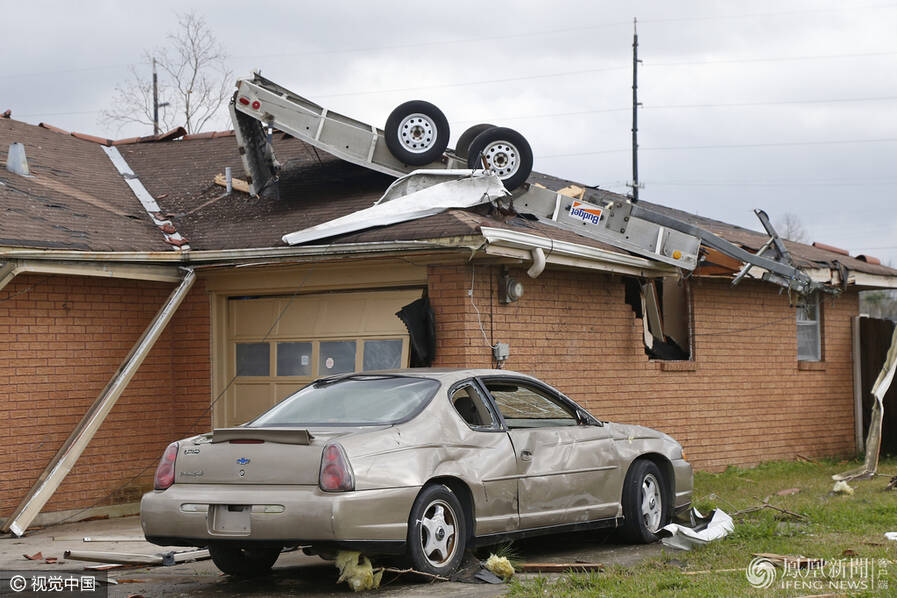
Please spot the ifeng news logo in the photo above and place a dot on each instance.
(798, 573)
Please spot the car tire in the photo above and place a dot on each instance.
(467, 137)
(646, 503)
(244, 560)
(506, 152)
(417, 133)
(437, 531)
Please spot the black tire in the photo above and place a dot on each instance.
(244, 560)
(437, 511)
(642, 517)
(506, 152)
(417, 133)
(467, 137)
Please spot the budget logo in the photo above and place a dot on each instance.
(585, 212)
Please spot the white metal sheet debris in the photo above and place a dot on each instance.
(419, 194)
(873, 438)
(713, 527)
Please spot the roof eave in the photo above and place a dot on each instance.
(519, 245)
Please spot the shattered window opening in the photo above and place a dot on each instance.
(809, 330)
(664, 306)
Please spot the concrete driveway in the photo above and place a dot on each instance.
(294, 574)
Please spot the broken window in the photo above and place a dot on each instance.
(471, 406)
(524, 406)
(809, 330)
(664, 307)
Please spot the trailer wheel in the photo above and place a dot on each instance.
(506, 152)
(417, 132)
(467, 137)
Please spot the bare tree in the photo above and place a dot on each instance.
(194, 81)
(790, 227)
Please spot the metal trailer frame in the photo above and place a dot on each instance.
(259, 105)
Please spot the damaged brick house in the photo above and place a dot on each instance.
(97, 237)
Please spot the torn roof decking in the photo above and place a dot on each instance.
(315, 187)
(74, 200)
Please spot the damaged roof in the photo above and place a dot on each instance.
(74, 198)
(315, 187)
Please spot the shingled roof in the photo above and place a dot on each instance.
(315, 187)
(75, 198)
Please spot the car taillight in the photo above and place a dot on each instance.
(336, 473)
(256, 105)
(165, 472)
(243, 100)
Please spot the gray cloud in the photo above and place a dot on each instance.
(62, 61)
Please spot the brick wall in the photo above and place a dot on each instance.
(61, 340)
(742, 401)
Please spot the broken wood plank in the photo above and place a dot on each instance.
(559, 567)
(574, 191)
(236, 184)
(68, 454)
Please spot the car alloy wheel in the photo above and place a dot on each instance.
(437, 531)
(652, 503)
(438, 539)
(646, 500)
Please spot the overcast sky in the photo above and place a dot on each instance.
(785, 105)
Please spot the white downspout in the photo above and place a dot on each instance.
(538, 263)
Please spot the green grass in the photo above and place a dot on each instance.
(835, 527)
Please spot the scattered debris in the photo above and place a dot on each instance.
(355, 569)
(487, 576)
(788, 492)
(34, 557)
(764, 504)
(501, 566)
(873, 438)
(560, 567)
(113, 539)
(842, 487)
(716, 525)
(848, 552)
(892, 484)
(236, 184)
(119, 558)
(806, 459)
(416, 195)
(51, 560)
(891, 535)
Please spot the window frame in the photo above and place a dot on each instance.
(816, 324)
(580, 414)
(499, 423)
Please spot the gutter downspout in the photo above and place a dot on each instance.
(74, 446)
(538, 263)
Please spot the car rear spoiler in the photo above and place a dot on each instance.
(281, 435)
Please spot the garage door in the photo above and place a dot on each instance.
(275, 345)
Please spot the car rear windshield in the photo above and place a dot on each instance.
(358, 400)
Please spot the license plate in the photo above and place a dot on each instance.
(230, 520)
